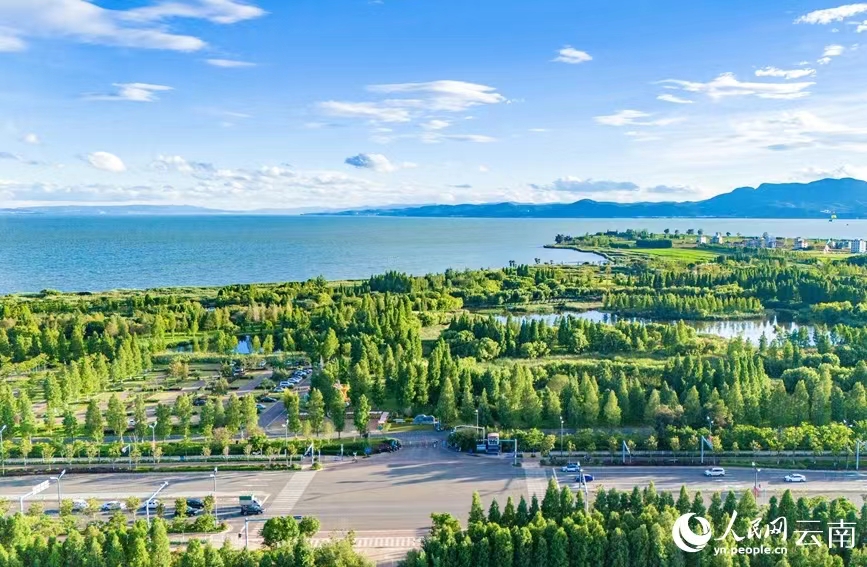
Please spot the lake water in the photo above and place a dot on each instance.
(751, 330)
(97, 253)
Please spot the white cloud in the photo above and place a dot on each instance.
(842, 171)
(572, 56)
(215, 11)
(484, 169)
(229, 63)
(374, 162)
(106, 162)
(862, 26)
(11, 43)
(830, 15)
(179, 164)
(447, 96)
(788, 131)
(675, 99)
(435, 137)
(84, 22)
(633, 118)
(369, 110)
(537, 130)
(571, 184)
(829, 52)
(425, 100)
(436, 124)
(31, 138)
(570, 188)
(134, 92)
(727, 85)
(785, 74)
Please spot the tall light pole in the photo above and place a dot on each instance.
(561, 436)
(149, 500)
(3, 449)
(153, 427)
(477, 424)
(710, 428)
(756, 482)
(59, 493)
(214, 476)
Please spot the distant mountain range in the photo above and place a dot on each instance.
(847, 198)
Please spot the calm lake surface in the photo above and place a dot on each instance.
(97, 253)
(750, 330)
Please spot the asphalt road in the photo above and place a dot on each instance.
(387, 499)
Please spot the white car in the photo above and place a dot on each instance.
(795, 477)
(715, 471)
(79, 505)
(113, 505)
(571, 467)
(152, 505)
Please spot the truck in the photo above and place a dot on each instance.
(250, 505)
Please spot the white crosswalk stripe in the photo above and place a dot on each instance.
(379, 542)
(287, 498)
(537, 481)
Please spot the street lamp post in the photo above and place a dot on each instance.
(3, 449)
(214, 476)
(149, 500)
(153, 427)
(477, 424)
(59, 493)
(756, 482)
(561, 436)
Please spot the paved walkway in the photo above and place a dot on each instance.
(536, 478)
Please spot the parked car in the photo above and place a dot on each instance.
(197, 503)
(260, 408)
(113, 505)
(152, 505)
(200, 401)
(795, 477)
(267, 399)
(715, 471)
(587, 478)
(285, 383)
(279, 389)
(570, 467)
(79, 505)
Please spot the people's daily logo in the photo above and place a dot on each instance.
(688, 540)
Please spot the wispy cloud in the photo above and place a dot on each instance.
(134, 92)
(830, 15)
(829, 52)
(376, 162)
(145, 27)
(422, 101)
(784, 73)
(727, 85)
(229, 63)
(31, 138)
(634, 118)
(572, 56)
(666, 97)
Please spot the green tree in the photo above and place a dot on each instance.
(338, 413)
(183, 410)
(447, 405)
(94, 427)
(316, 410)
(611, 411)
(477, 512)
(293, 411)
(361, 416)
(115, 416)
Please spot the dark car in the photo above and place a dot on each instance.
(200, 401)
(192, 512)
(196, 503)
(267, 399)
(587, 478)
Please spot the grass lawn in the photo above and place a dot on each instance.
(678, 254)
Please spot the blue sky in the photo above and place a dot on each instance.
(343, 103)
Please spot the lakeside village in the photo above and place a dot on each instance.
(696, 240)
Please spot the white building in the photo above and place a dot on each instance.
(717, 238)
(801, 243)
(858, 246)
(702, 239)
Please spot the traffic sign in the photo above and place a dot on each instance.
(40, 487)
